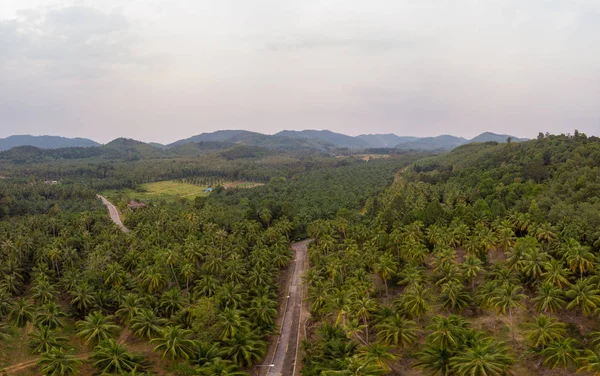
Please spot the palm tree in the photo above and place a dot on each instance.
(21, 313)
(397, 331)
(50, 316)
(82, 297)
(386, 267)
(447, 332)
(173, 343)
(245, 349)
(561, 353)
(578, 257)
(471, 267)
(57, 362)
(171, 302)
(544, 330)
(43, 292)
(556, 273)
(506, 300)
(454, 297)
(434, 360)
(354, 366)
(482, 360)
(96, 327)
(414, 301)
(548, 298)
(219, 367)
(263, 311)
(6, 300)
(45, 339)
(129, 308)
(377, 353)
(533, 261)
(5, 332)
(113, 358)
(590, 362)
(146, 324)
(585, 295)
(231, 322)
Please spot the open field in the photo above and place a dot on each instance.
(158, 191)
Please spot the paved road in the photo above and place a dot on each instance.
(114, 213)
(284, 357)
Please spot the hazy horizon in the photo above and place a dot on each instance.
(161, 71)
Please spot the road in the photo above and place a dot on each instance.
(114, 213)
(283, 361)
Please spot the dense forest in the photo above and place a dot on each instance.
(480, 261)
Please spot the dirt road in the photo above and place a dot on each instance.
(284, 356)
(114, 213)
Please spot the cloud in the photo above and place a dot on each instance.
(75, 42)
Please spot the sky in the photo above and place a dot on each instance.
(162, 70)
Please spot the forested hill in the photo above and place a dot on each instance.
(555, 178)
(485, 258)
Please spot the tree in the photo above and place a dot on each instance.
(378, 354)
(414, 301)
(434, 360)
(58, 362)
(82, 297)
(114, 358)
(45, 339)
(556, 274)
(590, 362)
(219, 367)
(544, 330)
(482, 360)
(386, 267)
(549, 298)
(561, 353)
(447, 332)
(21, 313)
(506, 300)
(50, 316)
(397, 331)
(96, 327)
(584, 295)
(174, 343)
(578, 257)
(146, 324)
(245, 349)
(471, 267)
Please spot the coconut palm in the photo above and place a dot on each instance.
(590, 362)
(219, 367)
(579, 258)
(263, 311)
(482, 360)
(378, 354)
(43, 292)
(447, 332)
(245, 349)
(174, 343)
(397, 331)
(433, 360)
(561, 353)
(548, 298)
(415, 301)
(231, 322)
(44, 339)
(82, 297)
(556, 274)
(454, 297)
(50, 316)
(584, 295)
(544, 330)
(146, 324)
(21, 313)
(96, 327)
(471, 268)
(386, 267)
(171, 302)
(507, 299)
(113, 358)
(58, 362)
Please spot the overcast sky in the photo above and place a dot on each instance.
(160, 70)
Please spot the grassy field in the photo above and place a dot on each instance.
(163, 190)
(167, 191)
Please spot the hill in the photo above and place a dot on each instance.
(337, 139)
(129, 149)
(385, 140)
(489, 136)
(44, 142)
(443, 142)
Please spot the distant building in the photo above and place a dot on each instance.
(136, 205)
(208, 190)
(51, 182)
